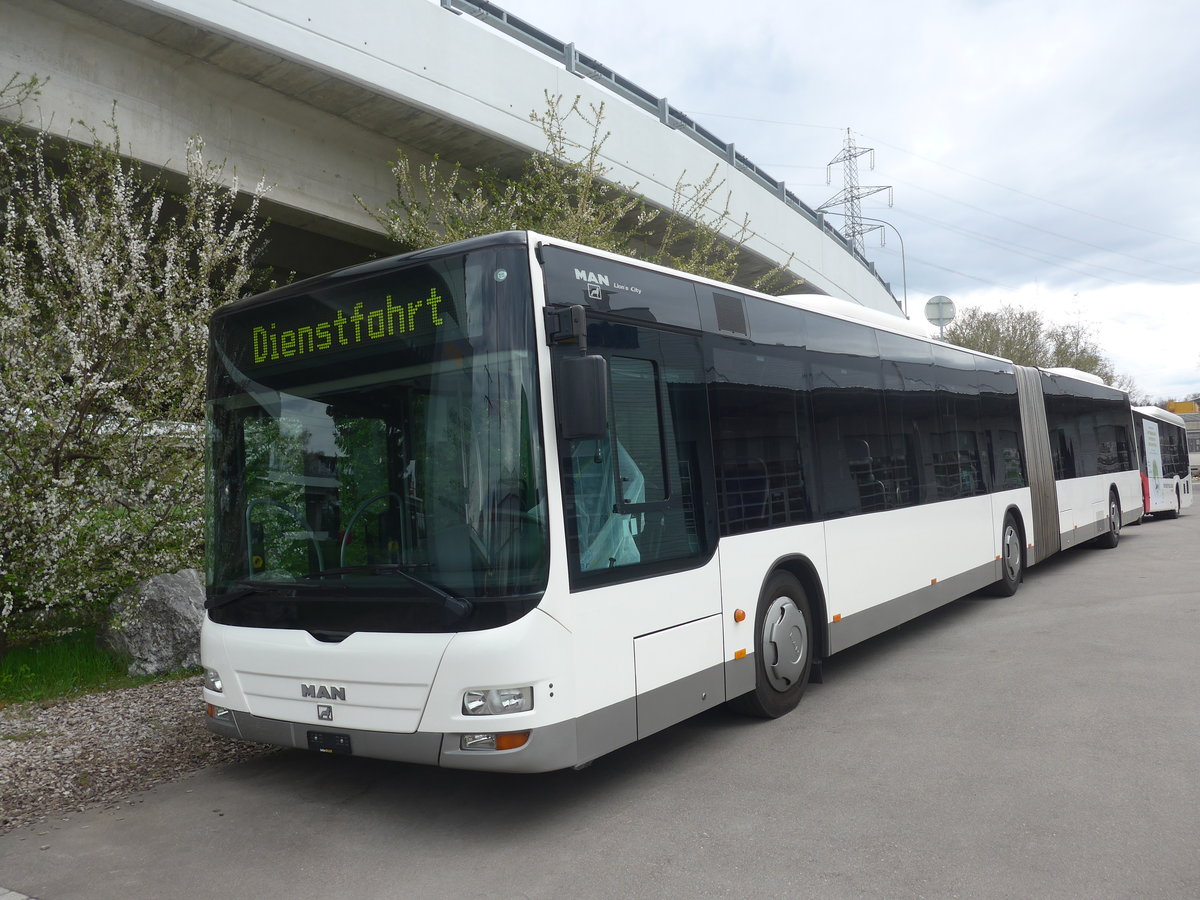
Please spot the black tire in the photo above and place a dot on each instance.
(1112, 537)
(783, 649)
(1012, 559)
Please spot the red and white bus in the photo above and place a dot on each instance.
(1163, 454)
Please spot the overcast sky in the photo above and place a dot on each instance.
(1042, 152)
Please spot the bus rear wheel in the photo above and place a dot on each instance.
(783, 649)
(1012, 559)
(1112, 537)
(1174, 513)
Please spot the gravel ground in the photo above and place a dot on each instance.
(101, 749)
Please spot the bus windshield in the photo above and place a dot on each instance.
(372, 446)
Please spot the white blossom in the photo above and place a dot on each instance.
(104, 299)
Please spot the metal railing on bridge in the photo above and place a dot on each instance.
(587, 67)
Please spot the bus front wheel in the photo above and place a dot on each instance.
(783, 649)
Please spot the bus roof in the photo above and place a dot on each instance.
(1157, 412)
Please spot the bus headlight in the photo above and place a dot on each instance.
(212, 681)
(497, 701)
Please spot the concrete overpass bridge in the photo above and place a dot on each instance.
(317, 97)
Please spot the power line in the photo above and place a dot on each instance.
(963, 172)
(1005, 187)
(1033, 252)
(1023, 224)
(1056, 234)
(932, 265)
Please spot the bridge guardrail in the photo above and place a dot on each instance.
(587, 67)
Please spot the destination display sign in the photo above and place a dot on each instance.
(354, 326)
(404, 309)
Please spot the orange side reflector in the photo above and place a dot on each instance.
(933, 581)
(739, 654)
(739, 615)
(997, 557)
(512, 741)
(837, 617)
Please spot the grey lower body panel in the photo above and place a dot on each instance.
(866, 624)
(414, 748)
(664, 706)
(606, 729)
(549, 747)
(740, 677)
(1083, 533)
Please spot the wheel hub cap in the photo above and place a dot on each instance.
(785, 643)
(1012, 553)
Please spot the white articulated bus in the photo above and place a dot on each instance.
(512, 503)
(1163, 451)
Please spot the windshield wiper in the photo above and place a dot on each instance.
(458, 607)
(251, 587)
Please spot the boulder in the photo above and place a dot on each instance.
(157, 625)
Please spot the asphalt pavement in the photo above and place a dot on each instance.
(1044, 745)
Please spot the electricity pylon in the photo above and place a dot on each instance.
(852, 192)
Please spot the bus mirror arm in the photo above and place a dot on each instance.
(567, 324)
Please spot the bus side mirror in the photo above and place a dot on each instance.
(581, 394)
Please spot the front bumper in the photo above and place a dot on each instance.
(549, 748)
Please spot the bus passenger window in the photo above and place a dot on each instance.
(1063, 454)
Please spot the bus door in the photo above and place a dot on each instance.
(641, 528)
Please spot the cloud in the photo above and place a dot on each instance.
(1039, 148)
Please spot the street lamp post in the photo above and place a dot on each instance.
(903, 262)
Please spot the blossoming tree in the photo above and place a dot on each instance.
(106, 284)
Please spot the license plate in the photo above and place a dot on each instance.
(328, 742)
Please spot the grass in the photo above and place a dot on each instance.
(61, 668)
(30, 735)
